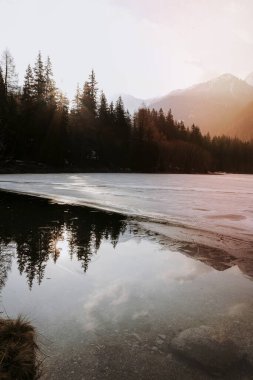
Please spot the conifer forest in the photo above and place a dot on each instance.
(39, 125)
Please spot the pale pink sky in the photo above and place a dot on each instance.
(142, 47)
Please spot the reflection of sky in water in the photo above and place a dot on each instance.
(89, 279)
(137, 281)
(93, 279)
(86, 278)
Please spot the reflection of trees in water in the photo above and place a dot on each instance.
(34, 249)
(36, 226)
(6, 254)
(88, 232)
(31, 229)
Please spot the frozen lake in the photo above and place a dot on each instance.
(112, 293)
(215, 210)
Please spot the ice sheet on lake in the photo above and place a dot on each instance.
(221, 205)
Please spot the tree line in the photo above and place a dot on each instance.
(38, 124)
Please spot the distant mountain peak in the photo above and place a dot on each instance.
(227, 77)
(224, 79)
(225, 85)
(212, 105)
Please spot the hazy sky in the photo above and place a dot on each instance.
(142, 47)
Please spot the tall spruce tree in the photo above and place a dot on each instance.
(50, 87)
(122, 133)
(103, 110)
(93, 92)
(9, 74)
(2, 114)
(88, 98)
(28, 88)
(39, 83)
(77, 101)
(2, 85)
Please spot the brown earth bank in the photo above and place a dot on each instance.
(10, 166)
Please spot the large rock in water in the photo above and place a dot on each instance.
(208, 349)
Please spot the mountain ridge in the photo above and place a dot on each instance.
(216, 106)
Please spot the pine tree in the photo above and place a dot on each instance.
(27, 95)
(104, 131)
(93, 92)
(50, 87)
(162, 122)
(196, 136)
(122, 133)
(62, 102)
(54, 145)
(77, 101)
(2, 113)
(119, 111)
(122, 119)
(2, 87)
(103, 110)
(9, 74)
(39, 83)
(88, 98)
(112, 113)
(86, 101)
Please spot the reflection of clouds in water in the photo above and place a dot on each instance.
(189, 271)
(110, 298)
(238, 309)
(140, 314)
(120, 300)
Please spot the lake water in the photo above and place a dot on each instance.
(218, 205)
(109, 292)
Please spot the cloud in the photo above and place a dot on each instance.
(103, 304)
(188, 272)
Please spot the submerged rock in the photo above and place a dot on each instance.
(159, 341)
(206, 348)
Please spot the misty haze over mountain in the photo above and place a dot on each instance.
(223, 105)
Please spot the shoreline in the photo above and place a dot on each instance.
(169, 233)
(23, 167)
